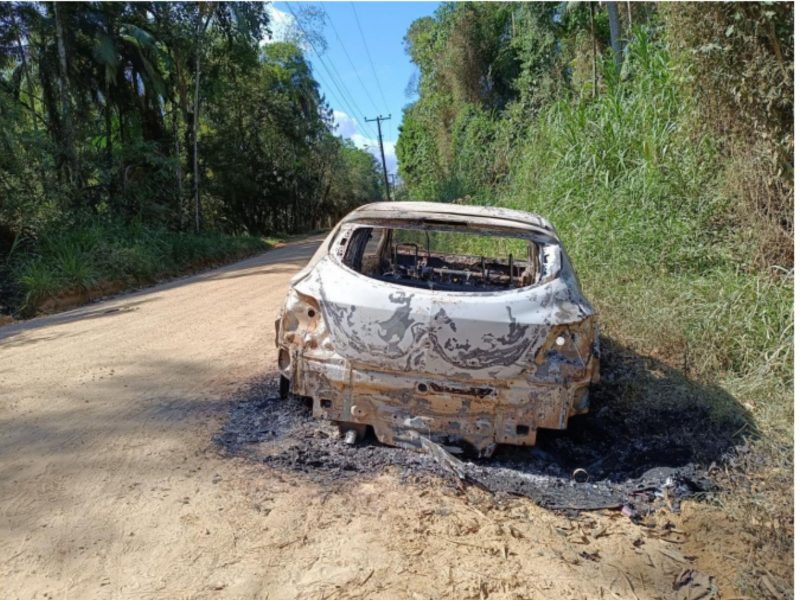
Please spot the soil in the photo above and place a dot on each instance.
(143, 453)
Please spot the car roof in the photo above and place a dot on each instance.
(489, 215)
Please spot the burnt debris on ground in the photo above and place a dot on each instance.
(634, 460)
(283, 434)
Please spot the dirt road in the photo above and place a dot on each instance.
(111, 484)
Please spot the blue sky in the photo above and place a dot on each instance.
(347, 72)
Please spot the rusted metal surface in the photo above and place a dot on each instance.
(464, 364)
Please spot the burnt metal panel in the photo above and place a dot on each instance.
(480, 367)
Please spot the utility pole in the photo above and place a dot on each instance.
(378, 120)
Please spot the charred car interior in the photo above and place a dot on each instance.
(440, 259)
(464, 325)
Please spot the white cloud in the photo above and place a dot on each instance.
(347, 127)
(281, 24)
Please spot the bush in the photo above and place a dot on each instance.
(740, 56)
(636, 196)
(621, 173)
(86, 254)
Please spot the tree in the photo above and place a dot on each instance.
(296, 171)
(106, 108)
(613, 25)
(64, 93)
(477, 63)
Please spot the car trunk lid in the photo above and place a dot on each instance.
(466, 336)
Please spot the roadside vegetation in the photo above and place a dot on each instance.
(141, 139)
(98, 258)
(667, 172)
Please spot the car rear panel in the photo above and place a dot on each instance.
(468, 336)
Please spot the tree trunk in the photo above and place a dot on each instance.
(630, 19)
(108, 122)
(63, 88)
(198, 214)
(195, 164)
(613, 25)
(28, 81)
(594, 50)
(29, 85)
(188, 136)
(109, 142)
(178, 172)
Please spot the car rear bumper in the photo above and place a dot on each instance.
(400, 407)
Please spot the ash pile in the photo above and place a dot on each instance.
(596, 464)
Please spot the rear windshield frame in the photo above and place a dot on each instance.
(534, 267)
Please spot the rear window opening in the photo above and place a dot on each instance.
(443, 259)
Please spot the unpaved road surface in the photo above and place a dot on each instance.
(113, 483)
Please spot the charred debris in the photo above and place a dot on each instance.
(594, 465)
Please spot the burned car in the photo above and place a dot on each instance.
(462, 324)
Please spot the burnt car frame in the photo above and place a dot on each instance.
(465, 349)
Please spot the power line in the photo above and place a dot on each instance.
(346, 101)
(350, 60)
(335, 77)
(369, 56)
(366, 132)
(351, 101)
(342, 96)
(343, 90)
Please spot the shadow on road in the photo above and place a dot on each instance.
(645, 414)
(95, 311)
(255, 273)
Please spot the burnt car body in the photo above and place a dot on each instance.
(391, 325)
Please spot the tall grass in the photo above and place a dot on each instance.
(640, 200)
(620, 173)
(77, 258)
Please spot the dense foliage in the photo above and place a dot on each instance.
(170, 116)
(494, 77)
(94, 258)
(668, 175)
(739, 59)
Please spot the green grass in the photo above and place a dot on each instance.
(65, 260)
(640, 205)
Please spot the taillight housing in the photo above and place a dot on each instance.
(301, 325)
(567, 352)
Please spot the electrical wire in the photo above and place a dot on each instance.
(350, 60)
(349, 97)
(369, 56)
(342, 97)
